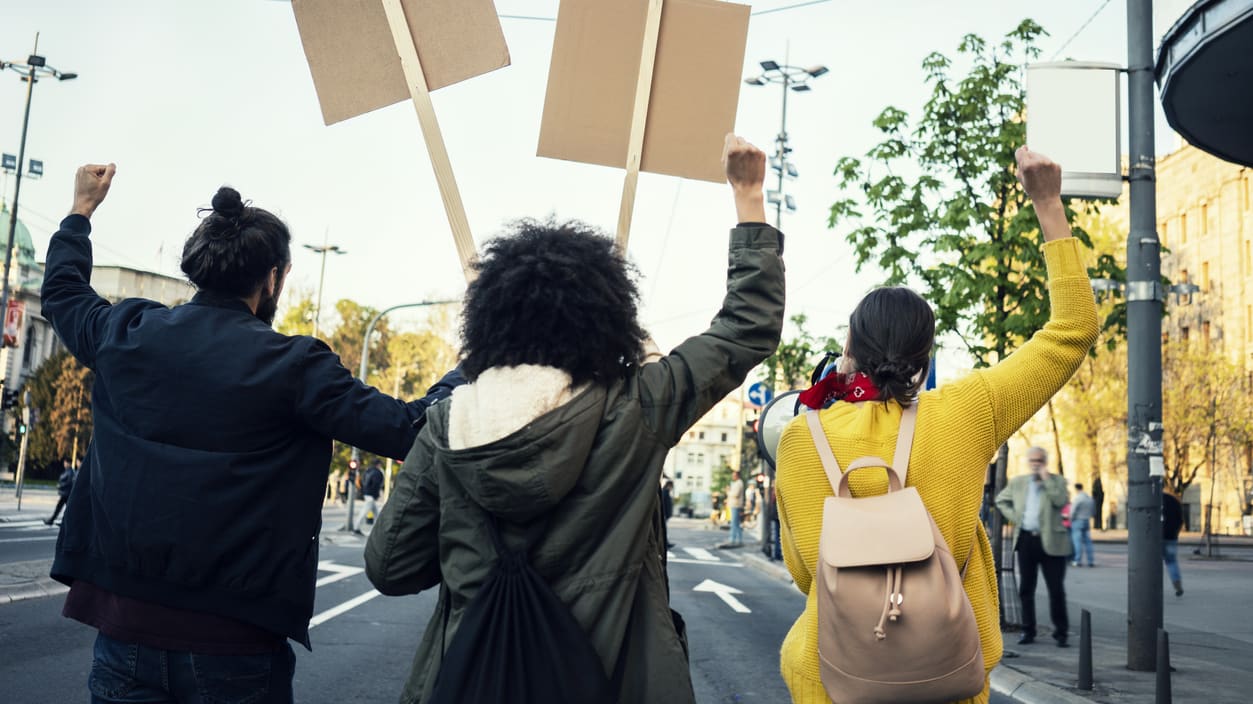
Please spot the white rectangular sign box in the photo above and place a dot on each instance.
(1073, 117)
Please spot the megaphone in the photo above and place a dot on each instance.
(773, 419)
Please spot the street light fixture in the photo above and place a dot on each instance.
(323, 250)
(32, 70)
(796, 79)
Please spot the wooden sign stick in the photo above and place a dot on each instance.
(639, 119)
(416, 79)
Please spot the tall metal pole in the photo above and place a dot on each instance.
(17, 189)
(1144, 353)
(317, 310)
(365, 366)
(781, 153)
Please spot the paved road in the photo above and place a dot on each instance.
(362, 645)
(27, 538)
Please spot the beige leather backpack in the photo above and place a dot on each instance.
(894, 623)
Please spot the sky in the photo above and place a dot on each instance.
(188, 96)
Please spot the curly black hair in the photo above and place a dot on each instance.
(557, 294)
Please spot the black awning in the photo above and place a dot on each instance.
(1205, 73)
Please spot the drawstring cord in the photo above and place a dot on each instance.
(892, 600)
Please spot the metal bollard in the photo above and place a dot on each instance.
(1163, 667)
(1085, 651)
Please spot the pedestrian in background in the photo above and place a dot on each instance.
(554, 451)
(1082, 508)
(667, 504)
(1098, 502)
(65, 485)
(191, 543)
(959, 426)
(371, 489)
(1033, 503)
(735, 503)
(1172, 523)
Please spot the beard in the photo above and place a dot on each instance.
(267, 308)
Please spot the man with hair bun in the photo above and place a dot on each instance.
(191, 539)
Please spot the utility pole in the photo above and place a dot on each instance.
(34, 67)
(1144, 356)
(323, 250)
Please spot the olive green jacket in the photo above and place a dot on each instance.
(578, 487)
(1012, 501)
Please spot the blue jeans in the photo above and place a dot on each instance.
(123, 673)
(737, 532)
(1081, 539)
(1170, 555)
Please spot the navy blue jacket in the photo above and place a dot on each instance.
(202, 487)
(372, 485)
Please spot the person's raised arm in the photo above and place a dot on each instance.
(682, 386)
(76, 311)
(1019, 385)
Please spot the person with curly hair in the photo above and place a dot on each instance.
(560, 437)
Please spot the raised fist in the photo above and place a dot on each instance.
(91, 185)
(745, 164)
(1041, 178)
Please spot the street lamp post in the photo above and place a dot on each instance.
(365, 366)
(34, 67)
(323, 250)
(1144, 353)
(792, 78)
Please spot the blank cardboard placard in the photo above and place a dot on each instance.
(695, 89)
(353, 58)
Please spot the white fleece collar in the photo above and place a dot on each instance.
(503, 400)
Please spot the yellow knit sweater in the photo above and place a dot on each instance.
(960, 427)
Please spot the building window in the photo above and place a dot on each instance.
(1183, 333)
(1205, 277)
(1183, 274)
(1248, 258)
(700, 435)
(1248, 323)
(724, 437)
(1204, 219)
(1183, 228)
(1205, 334)
(1162, 228)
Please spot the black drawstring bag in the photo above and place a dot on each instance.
(518, 643)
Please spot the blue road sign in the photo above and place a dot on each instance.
(8, 162)
(759, 394)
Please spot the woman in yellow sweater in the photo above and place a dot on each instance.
(960, 426)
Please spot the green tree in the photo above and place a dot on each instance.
(1205, 408)
(945, 208)
(350, 333)
(60, 399)
(298, 313)
(792, 363)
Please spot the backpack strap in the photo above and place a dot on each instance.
(829, 463)
(900, 461)
(905, 440)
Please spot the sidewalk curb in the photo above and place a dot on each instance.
(756, 560)
(1025, 689)
(34, 589)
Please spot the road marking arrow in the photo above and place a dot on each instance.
(724, 593)
(338, 572)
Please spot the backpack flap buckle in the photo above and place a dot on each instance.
(890, 529)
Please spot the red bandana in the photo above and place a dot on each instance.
(853, 388)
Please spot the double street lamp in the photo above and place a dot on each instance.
(792, 78)
(34, 68)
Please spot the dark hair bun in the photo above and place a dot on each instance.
(228, 203)
(897, 371)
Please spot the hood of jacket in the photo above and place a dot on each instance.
(518, 438)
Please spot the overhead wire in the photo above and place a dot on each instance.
(767, 11)
(1079, 31)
